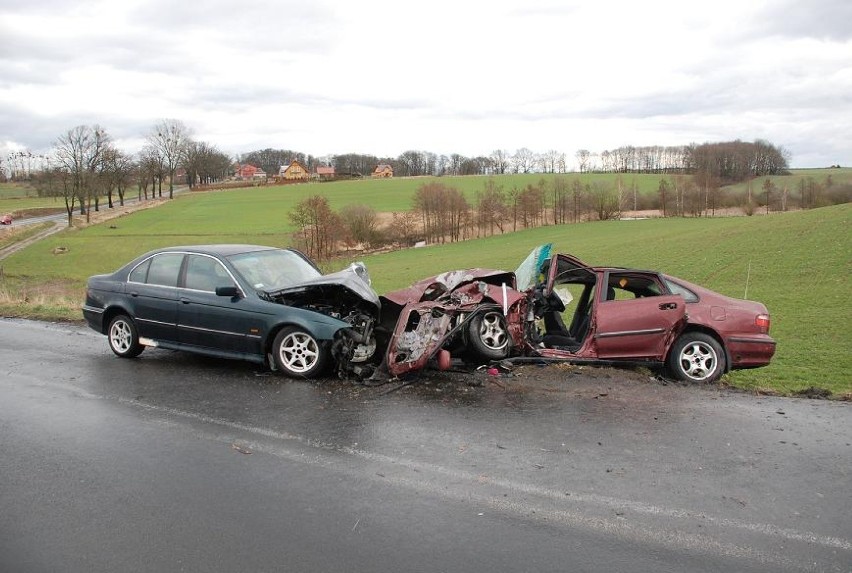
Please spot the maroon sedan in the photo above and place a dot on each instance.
(557, 308)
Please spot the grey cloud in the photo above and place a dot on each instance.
(256, 25)
(820, 19)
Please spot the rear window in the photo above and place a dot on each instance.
(678, 288)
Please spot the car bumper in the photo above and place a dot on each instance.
(750, 351)
(94, 317)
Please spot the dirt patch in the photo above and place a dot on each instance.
(813, 392)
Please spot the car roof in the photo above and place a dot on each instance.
(222, 250)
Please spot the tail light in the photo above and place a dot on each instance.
(761, 321)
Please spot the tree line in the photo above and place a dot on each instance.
(441, 213)
(86, 166)
(728, 161)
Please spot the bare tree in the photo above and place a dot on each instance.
(500, 161)
(118, 169)
(491, 208)
(170, 138)
(560, 200)
(150, 169)
(362, 222)
(444, 211)
(663, 192)
(523, 161)
(80, 154)
(583, 157)
(204, 163)
(404, 228)
(318, 227)
(605, 201)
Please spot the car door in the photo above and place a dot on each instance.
(637, 320)
(229, 324)
(152, 290)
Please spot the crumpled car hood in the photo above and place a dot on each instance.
(353, 278)
(433, 287)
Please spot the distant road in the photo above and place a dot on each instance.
(62, 217)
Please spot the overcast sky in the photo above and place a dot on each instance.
(381, 77)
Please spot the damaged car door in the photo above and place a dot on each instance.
(634, 317)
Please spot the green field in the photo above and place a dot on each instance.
(387, 195)
(18, 197)
(797, 263)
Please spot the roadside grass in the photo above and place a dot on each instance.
(798, 263)
(16, 234)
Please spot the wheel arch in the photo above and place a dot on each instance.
(111, 312)
(709, 332)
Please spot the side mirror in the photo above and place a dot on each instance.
(230, 291)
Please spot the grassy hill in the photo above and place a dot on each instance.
(797, 263)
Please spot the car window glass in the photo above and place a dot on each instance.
(140, 273)
(205, 273)
(164, 269)
(629, 286)
(677, 288)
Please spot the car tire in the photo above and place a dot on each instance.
(123, 337)
(298, 354)
(488, 336)
(697, 357)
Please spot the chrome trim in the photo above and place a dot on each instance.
(211, 330)
(630, 333)
(92, 309)
(149, 321)
(751, 340)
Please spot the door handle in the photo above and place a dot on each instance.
(668, 306)
(185, 300)
(134, 294)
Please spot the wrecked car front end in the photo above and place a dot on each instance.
(465, 311)
(347, 296)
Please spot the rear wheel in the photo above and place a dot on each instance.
(123, 337)
(697, 357)
(298, 354)
(488, 336)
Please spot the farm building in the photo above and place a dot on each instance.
(324, 172)
(383, 170)
(248, 171)
(295, 171)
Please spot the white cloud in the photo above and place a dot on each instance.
(451, 77)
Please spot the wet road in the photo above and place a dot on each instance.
(180, 463)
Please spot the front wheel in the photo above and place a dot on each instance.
(298, 354)
(488, 336)
(123, 337)
(697, 357)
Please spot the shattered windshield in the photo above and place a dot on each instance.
(529, 270)
(273, 269)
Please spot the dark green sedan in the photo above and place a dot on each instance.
(249, 302)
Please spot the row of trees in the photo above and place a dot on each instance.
(442, 213)
(86, 165)
(729, 161)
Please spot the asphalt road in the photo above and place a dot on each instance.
(178, 463)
